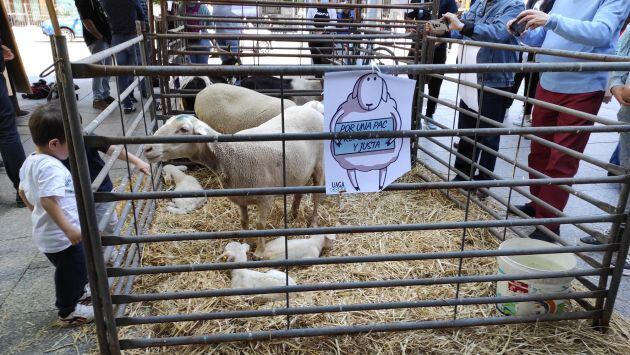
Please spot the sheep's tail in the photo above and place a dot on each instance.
(316, 105)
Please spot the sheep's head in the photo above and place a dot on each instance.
(370, 89)
(180, 125)
(329, 240)
(169, 171)
(235, 251)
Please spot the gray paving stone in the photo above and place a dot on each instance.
(15, 256)
(33, 293)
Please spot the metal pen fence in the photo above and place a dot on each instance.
(113, 285)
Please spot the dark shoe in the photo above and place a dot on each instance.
(590, 240)
(128, 110)
(482, 195)
(18, 202)
(626, 266)
(133, 99)
(100, 104)
(109, 99)
(528, 209)
(539, 235)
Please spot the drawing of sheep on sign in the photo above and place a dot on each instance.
(375, 102)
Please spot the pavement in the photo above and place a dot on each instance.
(27, 312)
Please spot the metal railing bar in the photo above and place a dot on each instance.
(267, 233)
(89, 129)
(534, 50)
(429, 281)
(302, 4)
(97, 57)
(520, 98)
(290, 190)
(504, 131)
(148, 270)
(81, 70)
(467, 301)
(126, 344)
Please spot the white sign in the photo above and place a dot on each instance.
(363, 102)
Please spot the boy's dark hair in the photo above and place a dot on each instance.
(46, 124)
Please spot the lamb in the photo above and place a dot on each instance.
(183, 182)
(229, 109)
(290, 83)
(253, 164)
(245, 278)
(298, 248)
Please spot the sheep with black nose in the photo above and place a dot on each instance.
(253, 164)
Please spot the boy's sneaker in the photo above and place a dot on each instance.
(86, 299)
(81, 315)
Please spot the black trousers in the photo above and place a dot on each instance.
(10, 144)
(530, 85)
(439, 57)
(319, 48)
(492, 106)
(70, 277)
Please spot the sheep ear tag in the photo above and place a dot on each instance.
(375, 106)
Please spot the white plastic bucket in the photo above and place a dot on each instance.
(530, 264)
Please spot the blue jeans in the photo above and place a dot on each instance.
(614, 158)
(100, 85)
(224, 44)
(70, 277)
(10, 144)
(126, 57)
(200, 45)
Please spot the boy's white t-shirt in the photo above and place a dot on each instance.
(42, 175)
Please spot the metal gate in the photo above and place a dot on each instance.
(113, 286)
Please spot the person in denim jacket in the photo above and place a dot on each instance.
(485, 21)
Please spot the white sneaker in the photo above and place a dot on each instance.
(81, 315)
(87, 295)
(525, 122)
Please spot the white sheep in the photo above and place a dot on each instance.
(182, 182)
(245, 278)
(298, 248)
(229, 108)
(287, 83)
(253, 164)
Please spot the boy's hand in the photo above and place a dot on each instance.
(453, 21)
(74, 235)
(144, 167)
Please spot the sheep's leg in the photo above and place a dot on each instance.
(245, 222)
(318, 180)
(352, 175)
(264, 208)
(382, 174)
(295, 205)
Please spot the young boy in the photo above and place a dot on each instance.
(47, 190)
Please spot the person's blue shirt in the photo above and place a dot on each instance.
(590, 26)
(486, 21)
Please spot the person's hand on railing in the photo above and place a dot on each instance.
(7, 54)
(430, 31)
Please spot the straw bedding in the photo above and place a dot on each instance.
(364, 209)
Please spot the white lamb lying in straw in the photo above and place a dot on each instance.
(298, 248)
(245, 278)
(183, 182)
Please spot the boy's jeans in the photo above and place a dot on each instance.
(100, 85)
(70, 277)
